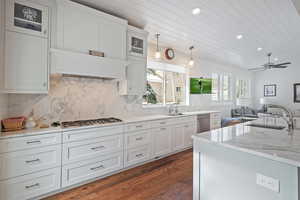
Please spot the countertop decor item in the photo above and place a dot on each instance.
(169, 53)
(30, 121)
(13, 124)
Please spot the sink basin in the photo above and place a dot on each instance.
(267, 126)
(176, 114)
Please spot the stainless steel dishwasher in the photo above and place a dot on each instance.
(203, 123)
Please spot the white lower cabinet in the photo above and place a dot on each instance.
(30, 185)
(28, 161)
(215, 120)
(178, 136)
(189, 130)
(83, 150)
(138, 138)
(137, 155)
(45, 163)
(182, 136)
(93, 168)
(162, 141)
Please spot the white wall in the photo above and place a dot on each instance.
(284, 79)
(205, 68)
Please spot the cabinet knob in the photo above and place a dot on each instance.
(44, 84)
(45, 32)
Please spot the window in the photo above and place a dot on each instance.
(215, 87)
(243, 89)
(166, 84)
(221, 88)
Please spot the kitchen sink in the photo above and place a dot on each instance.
(175, 114)
(267, 126)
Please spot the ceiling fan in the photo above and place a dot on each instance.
(270, 65)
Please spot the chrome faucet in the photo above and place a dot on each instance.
(289, 114)
(173, 110)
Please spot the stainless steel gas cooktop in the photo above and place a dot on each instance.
(90, 122)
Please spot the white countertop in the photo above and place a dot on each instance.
(273, 144)
(37, 131)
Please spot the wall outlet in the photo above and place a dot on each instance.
(268, 182)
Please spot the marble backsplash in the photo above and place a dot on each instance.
(73, 98)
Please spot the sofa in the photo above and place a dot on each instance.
(244, 112)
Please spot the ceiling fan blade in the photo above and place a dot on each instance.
(278, 66)
(257, 69)
(287, 63)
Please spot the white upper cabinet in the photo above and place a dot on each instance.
(26, 63)
(112, 39)
(26, 47)
(135, 83)
(81, 29)
(137, 43)
(26, 17)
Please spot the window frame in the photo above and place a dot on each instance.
(220, 88)
(165, 67)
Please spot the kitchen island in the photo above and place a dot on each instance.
(243, 162)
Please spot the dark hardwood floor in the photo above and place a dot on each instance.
(166, 179)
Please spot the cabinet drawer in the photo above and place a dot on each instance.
(137, 138)
(189, 119)
(21, 143)
(215, 115)
(137, 155)
(89, 133)
(29, 161)
(160, 123)
(77, 151)
(89, 169)
(137, 126)
(30, 186)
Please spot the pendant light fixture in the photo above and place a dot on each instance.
(191, 62)
(157, 52)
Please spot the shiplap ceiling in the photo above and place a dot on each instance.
(273, 25)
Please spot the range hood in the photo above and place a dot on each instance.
(80, 64)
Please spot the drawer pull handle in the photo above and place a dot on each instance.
(139, 138)
(31, 186)
(186, 126)
(139, 155)
(34, 142)
(163, 129)
(162, 122)
(139, 126)
(96, 168)
(32, 161)
(97, 148)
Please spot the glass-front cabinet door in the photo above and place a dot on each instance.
(26, 17)
(137, 45)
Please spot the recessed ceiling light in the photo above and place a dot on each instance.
(276, 59)
(259, 49)
(196, 11)
(239, 37)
